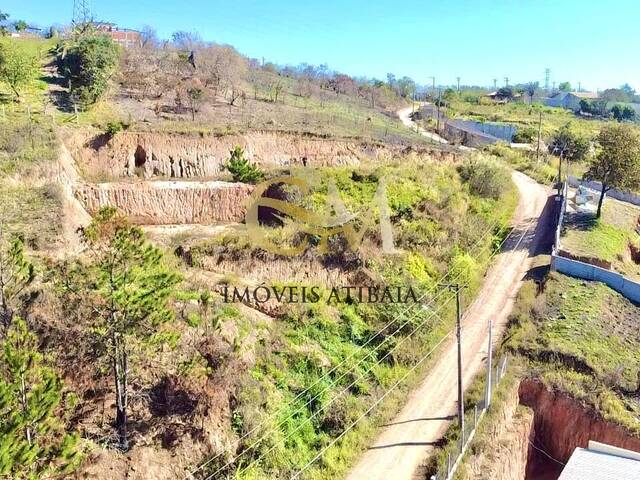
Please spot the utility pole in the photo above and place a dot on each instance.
(433, 86)
(495, 84)
(438, 110)
(458, 79)
(506, 81)
(539, 129)
(579, 86)
(456, 287)
(487, 400)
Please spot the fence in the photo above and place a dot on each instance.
(575, 268)
(455, 451)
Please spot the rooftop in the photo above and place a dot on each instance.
(602, 462)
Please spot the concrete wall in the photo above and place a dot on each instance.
(469, 132)
(613, 193)
(619, 283)
(575, 268)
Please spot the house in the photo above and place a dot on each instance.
(602, 462)
(569, 100)
(122, 36)
(500, 96)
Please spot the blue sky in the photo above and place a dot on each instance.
(594, 42)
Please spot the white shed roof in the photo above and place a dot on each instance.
(602, 462)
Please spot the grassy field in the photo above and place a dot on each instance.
(581, 338)
(607, 238)
(524, 115)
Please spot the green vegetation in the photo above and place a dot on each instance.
(544, 170)
(18, 67)
(16, 274)
(523, 116)
(608, 238)
(130, 287)
(88, 62)
(617, 163)
(440, 220)
(485, 178)
(241, 169)
(569, 145)
(581, 338)
(33, 443)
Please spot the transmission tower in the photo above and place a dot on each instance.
(547, 78)
(81, 12)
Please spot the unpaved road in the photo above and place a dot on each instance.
(405, 118)
(404, 444)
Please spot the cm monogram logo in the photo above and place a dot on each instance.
(310, 223)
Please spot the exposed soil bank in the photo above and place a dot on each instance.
(183, 156)
(561, 424)
(161, 203)
(508, 432)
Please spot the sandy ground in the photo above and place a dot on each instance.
(405, 117)
(404, 444)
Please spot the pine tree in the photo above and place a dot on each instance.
(133, 286)
(241, 169)
(33, 443)
(16, 273)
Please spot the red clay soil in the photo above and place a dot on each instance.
(562, 423)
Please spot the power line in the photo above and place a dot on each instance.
(370, 409)
(496, 250)
(379, 332)
(333, 442)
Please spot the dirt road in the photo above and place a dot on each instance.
(405, 118)
(404, 444)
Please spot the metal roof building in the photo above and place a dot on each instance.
(602, 462)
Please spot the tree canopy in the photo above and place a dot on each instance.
(88, 62)
(617, 163)
(18, 67)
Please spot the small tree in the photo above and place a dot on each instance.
(132, 285)
(564, 87)
(531, 88)
(569, 145)
(241, 169)
(33, 443)
(617, 163)
(3, 29)
(88, 62)
(16, 273)
(18, 68)
(195, 95)
(20, 26)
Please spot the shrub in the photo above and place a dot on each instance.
(525, 135)
(113, 128)
(241, 169)
(485, 178)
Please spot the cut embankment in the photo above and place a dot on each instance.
(167, 202)
(532, 431)
(173, 155)
(561, 424)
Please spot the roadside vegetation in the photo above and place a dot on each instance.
(581, 338)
